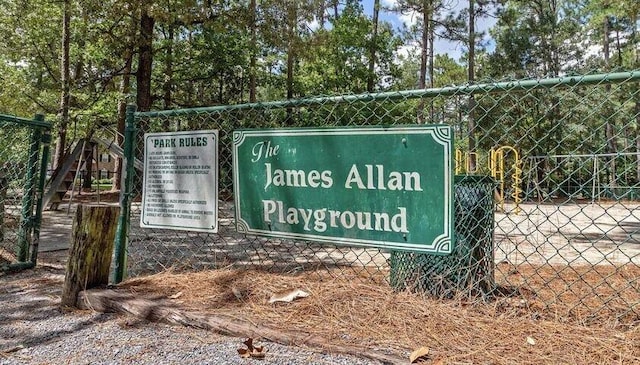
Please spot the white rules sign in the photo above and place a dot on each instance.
(180, 187)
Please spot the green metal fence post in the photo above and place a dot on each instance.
(24, 234)
(120, 244)
(46, 142)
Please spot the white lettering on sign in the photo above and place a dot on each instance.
(409, 181)
(320, 219)
(297, 178)
(373, 177)
(265, 150)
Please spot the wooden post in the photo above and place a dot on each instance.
(94, 228)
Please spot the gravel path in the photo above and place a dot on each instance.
(34, 330)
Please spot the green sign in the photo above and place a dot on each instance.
(379, 187)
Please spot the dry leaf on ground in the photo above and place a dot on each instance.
(419, 354)
(252, 351)
(288, 296)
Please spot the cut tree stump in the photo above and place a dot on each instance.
(94, 229)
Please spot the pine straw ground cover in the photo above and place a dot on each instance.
(347, 309)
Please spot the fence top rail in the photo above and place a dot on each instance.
(24, 121)
(593, 155)
(469, 89)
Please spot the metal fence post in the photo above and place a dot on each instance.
(24, 234)
(120, 244)
(46, 142)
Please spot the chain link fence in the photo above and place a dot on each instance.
(554, 216)
(24, 150)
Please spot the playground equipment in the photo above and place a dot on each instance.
(498, 172)
(593, 176)
(472, 162)
(64, 178)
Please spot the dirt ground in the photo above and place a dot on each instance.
(348, 309)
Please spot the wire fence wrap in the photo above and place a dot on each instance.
(23, 159)
(556, 216)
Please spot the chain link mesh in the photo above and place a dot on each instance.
(556, 216)
(20, 186)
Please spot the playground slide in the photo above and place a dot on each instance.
(117, 150)
(56, 186)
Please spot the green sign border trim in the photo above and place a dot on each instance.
(216, 206)
(441, 134)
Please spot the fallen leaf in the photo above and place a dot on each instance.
(249, 343)
(288, 296)
(244, 353)
(176, 295)
(258, 352)
(252, 351)
(237, 293)
(419, 354)
(531, 341)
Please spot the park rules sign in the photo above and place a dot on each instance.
(381, 187)
(180, 187)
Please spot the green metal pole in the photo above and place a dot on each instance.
(120, 244)
(24, 233)
(46, 142)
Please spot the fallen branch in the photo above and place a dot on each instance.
(160, 310)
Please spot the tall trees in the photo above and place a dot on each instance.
(79, 59)
(615, 25)
(427, 12)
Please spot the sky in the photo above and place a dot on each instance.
(454, 50)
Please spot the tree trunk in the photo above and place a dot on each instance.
(168, 78)
(608, 113)
(431, 56)
(168, 73)
(94, 229)
(422, 82)
(292, 16)
(254, 51)
(122, 115)
(145, 59)
(471, 76)
(88, 163)
(424, 55)
(321, 15)
(373, 48)
(64, 80)
(125, 89)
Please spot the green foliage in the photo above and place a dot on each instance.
(202, 56)
(337, 62)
